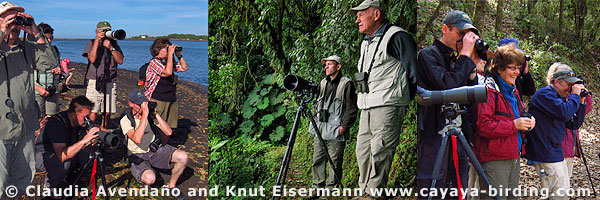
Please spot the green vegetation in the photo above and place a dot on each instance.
(174, 36)
(254, 44)
(549, 31)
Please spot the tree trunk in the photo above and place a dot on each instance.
(479, 13)
(579, 15)
(499, 13)
(560, 19)
(427, 27)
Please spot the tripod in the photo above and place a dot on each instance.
(578, 144)
(450, 112)
(306, 97)
(95, 159)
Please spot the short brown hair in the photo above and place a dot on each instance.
(158, 45)
(78, 102)
(506, 55)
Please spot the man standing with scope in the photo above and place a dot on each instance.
(386, 83)
(103, 54)
(448, 63)
(336, 113)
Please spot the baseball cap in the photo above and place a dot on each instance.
(459, 19)
(507, 41)
(567, 75)
(366, 4)
(103, 25)
(137, 97)
(333, 58)
(5, 6)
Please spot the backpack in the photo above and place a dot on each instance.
(142, 72)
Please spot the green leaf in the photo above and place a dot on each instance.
(280, 110)
(266, 120)
(246, 126)
(269, 79)
(253, 98)
(277, 134)
(219, 145)
(263, 104)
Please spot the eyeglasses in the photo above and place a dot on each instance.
(513, 68)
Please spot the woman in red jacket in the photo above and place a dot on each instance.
(499, 126)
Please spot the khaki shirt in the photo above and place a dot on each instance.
(20, 65)
(148, 137)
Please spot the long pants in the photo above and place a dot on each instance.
(502, 174)
(557, 178)
(378, 136)
(320, 162)
(17, 162)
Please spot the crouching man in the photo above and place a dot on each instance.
(147, 135)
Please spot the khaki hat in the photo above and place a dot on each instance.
(332, 58)
(103, 25)
(565, 74)
(366, 4)
(5, 6)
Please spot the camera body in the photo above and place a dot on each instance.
(152, 106)
(362, 82)
(323, 115)
(23, 21)
(51, 89)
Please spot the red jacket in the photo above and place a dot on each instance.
(495, 132)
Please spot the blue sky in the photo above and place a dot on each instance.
(77, 19)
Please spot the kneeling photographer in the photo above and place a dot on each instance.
(64, 137)
(147, 146)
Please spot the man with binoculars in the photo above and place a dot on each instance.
(449, 63)
(558, 106)
(336, 113)
(65, 135)
(103, 54)
(386, 83)
(18, 110)
(147, 135)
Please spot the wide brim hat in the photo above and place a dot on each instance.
(5, 6)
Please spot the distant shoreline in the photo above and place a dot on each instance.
(57, 39)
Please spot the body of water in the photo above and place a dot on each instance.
(137, 52)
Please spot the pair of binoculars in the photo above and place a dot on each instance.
(362, 82)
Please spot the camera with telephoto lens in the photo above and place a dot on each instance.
(109, 139)
(323, 115)
(481, 47)
(118, 34)
(362, 82)
(298, 84)
(23, 21)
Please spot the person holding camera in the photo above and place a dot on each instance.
(386, 84)
(161, 81)
(497, 143)
(103, 54)
(449, 63)
(18, 113)
(147, 134)
(336, 113)
(556, 107)
(63, 139)
(46, 81)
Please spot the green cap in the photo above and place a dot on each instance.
(366, 4)
(332, 58)
(565, 74)
(103, 25)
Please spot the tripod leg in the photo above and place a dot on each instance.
(102, 174)
(290, 147)
(331, 164)
(476, 164)
(438, 163)
(584, 161)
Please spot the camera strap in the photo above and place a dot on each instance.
(374, 53)
(7, 76)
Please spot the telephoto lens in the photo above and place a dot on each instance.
(107, 138)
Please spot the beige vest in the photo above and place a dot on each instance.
(330, 129)
(387, 79)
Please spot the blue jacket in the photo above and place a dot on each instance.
(553, 114)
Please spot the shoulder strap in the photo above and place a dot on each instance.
(61, 119)
(129, 115)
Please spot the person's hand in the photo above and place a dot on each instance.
(170, 50)
(178, 53)
(524, 123)
(6, 24)
(582, 98)
(480, 65)
(100, 35)
(107, 44)
(42, 91)
(145, 110)
(468, 44)
(91, 134)
(526, 69)
(341, 130)
(576, 89)
(56, 70)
